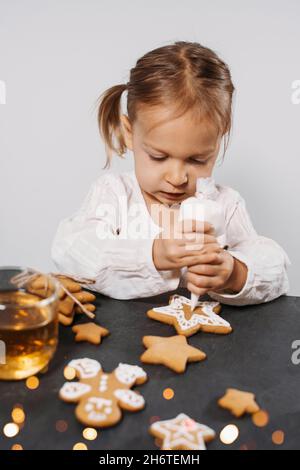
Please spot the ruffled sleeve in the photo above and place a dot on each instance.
(266, 260)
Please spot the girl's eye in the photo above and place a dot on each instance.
(160, 159)
(157, 159)
(198, 162)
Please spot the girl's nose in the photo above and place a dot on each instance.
(177, 177)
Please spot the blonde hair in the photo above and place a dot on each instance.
(186, 75)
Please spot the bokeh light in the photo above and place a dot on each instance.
(61, 425)
(32, 382)
(89, 433)
(18, 415)
(69, 373)
(260, 418)
(16, 447)
(168, 393)
(11, 429)
(80, 446)
(278, 437)
(229, 434)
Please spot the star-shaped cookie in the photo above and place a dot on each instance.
(238, 402)
(89, 332)
(181, 433)
(173, 352)
(178, 313)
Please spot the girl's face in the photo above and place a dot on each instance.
(172, 155)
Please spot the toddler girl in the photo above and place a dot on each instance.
(126, 236)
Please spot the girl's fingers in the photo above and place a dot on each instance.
(195, 290)
(204, 269)
(199, 239)
(200, 282)
(199, 250)
(198, 259)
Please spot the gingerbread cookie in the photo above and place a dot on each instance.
(39, 285)
(173, 352)
(66, 306)
(65, 320)
(181, 433)
(88, 306)
(101, 396)
(178, 313)
(72, 299)
(89, 332)
(239, 402)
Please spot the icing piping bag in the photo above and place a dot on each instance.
(204, 207)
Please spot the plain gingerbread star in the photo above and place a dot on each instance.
(181, 433)
(239, 402)
(89, 332)
(173, 352)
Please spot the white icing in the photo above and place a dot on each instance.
(103, 383)
(128, 374)
(98, 409)
(175, 309)
(86, 367)
(183, 431)
(74, 390)
(131, 398)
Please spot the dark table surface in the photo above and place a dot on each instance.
(255, 357)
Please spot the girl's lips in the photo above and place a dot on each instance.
(172, 195)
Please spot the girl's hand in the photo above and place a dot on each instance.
(211, 273)
(183, 247)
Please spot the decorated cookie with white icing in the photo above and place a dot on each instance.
(204, 317)
(181, 433)
(101, 396)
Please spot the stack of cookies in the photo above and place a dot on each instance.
(72, 298)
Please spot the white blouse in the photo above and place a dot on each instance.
(101, 241)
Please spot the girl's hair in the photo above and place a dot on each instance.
(183, 75)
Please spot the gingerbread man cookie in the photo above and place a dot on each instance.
(178, 313)
(173, 352)
(181, 433)
(239, 402)
(101, 396)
